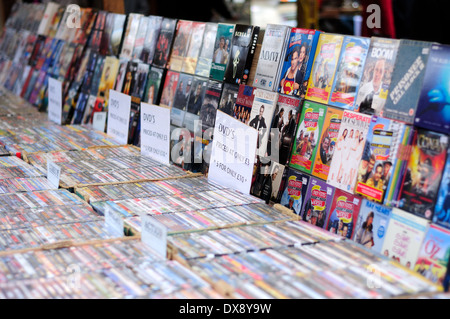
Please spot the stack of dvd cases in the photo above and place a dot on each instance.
(324, 270)
(119, 269)
(104, 165)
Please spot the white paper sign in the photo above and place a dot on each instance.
(155, 132)
(118, 116)
(99, 121)
(53, 173)
(113, 222)
(154, 234)
(54, 100)
(233, 153)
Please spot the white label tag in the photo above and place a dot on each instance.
(154, 234)
(53, 173)
(118, 116)
(155, 132)
(54, 100)
(99, 121)
(233, 153)
(113, 222)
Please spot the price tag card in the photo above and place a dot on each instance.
(53, 173)
(155, 132)
(99, 121)
(54, 100)
(154, 234)
(118, 116)
(113, 222)
(233, 153)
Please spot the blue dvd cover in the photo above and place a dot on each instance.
(407, 80)
(442, 209)
(433, 111)
(349, 73)
(370, 229)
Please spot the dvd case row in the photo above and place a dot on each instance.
(350, 162)
(120, 269)
(324, 270)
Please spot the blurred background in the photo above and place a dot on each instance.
(404, 19)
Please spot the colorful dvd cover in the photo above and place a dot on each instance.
(244, 102)
(131, 30)
(169, 88)
(407, 81)
(402, 152)
(120, 78)
(271, 56)
(180, 45)
(348, 150)
(87, 22)
(183, 91)
(153, 29)
(374, 168)
(298, 61)
(111, 36)
(404, 237)
(210, 104)
(109, 73)
(284, 124)
(317, 205)
(371, 227)
(328, 141)
(194, 103)
(261, 117)
(343, 214)
(229, 96)
(153, 87)
(204, 62)
(222, 47)
(180, 98)
(293, 191)
(434, 255)
(50, 10)
(420, 184)
(267, 180)
(308, 134)
(130, 78)
(243, 45)
(164, 43)
(195, 45)
(324, 68)
(441, 210)
(140, 38)
(433, 110)
(377, 75)
(140, 81)
(349, 72)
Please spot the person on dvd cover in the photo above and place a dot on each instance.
(433, 110)
(168, 93)
(370, 91)
(293, 78)
(442, 209)
(259, 124)
(424, 171)
(180, 96)
(196, 99)
(364, 236)
(221, 54)
(287, 133)
(228, 104)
